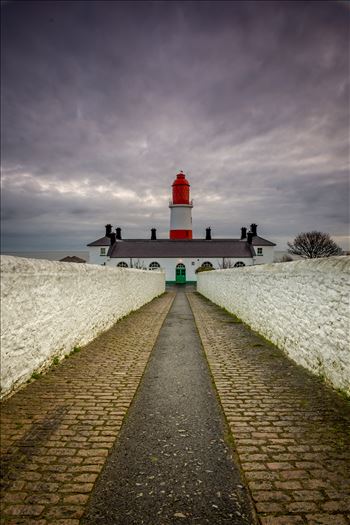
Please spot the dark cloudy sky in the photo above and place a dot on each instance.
(103, 103)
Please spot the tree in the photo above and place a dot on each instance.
(140, 265)
(225, 263)
(311, 245)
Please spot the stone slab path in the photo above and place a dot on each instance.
(292, 432)
(171, 464)
(57, 431)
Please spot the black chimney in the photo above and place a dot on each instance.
(153, 234)
(243, 233)
(108, 229)
(118, 232)
(112, 238)
(208, 234)
(249, 237)
(253, 228)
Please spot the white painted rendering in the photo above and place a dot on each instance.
(267, 254)
(180, 216)
(49, 307)
(302, 307)
(95, 256)
(169, 264)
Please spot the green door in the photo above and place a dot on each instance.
(180, 274)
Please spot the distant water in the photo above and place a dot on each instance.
(279, 254)
(50, 256)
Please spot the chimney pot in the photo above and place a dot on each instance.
(118, 232)
(249, 237)
(112, 238)
(243, 233)
(253, 229)
(153, 234)
(108, 229)
(208, 234)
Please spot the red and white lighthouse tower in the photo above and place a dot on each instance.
(181, 209)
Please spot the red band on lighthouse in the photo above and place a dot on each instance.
(181, 209)
(180, 234)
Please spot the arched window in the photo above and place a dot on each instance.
(239, 264)
(154, 265)
(122, 265)
(207, 264)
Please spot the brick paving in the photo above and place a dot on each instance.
(291, 432)
(57, 432)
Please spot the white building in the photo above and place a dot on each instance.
(181, 255)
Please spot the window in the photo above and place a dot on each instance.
(259, 252)
(207, 264)
(154, 265)
(239, 264)
(102, 251)
(122, 265)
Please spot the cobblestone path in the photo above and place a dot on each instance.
(57, 431)
(292, 433)
(171, 464)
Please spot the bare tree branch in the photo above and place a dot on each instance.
(311, 245)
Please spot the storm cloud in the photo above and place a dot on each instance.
(103, 103)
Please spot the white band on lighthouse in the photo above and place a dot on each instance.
(180, 217)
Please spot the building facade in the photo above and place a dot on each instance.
(181, 256)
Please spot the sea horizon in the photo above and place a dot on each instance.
(51, 255)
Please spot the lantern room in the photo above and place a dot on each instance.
(181, 189)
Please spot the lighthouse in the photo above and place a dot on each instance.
(180, 256)
(180, 209)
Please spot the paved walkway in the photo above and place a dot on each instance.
(171, 464)
(57, 432)
(290, 431)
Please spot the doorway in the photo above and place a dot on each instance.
(180, 273)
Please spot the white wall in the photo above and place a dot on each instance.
(301, 306)
(94, 254)
(48, 308)
(169, 264)
(267, 255)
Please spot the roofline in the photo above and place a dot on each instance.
(266, 240)
(189, 241)
(220, 239)
(216, 239)
(100, 240)
(182, 256)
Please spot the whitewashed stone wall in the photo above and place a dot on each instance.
(48, 308)
(302, 307)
